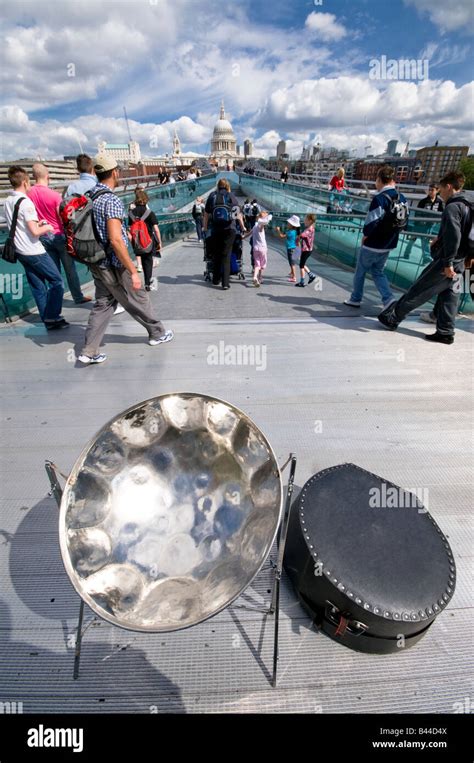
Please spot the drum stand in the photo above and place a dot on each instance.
(56, 490)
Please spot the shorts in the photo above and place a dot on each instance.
(291, 257)
(304, 258)
(259, 258)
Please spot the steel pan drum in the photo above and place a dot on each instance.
(170, 512)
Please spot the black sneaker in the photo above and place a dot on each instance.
(441, 338)
(311, 278)
(300, 283)
(62, 324)
(385, 320)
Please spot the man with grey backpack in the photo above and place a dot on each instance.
(98, 234)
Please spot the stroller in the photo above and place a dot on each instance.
(235, 259)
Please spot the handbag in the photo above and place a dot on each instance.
(9, 251)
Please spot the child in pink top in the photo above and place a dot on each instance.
(307, 243)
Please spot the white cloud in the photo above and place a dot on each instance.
(149, 55)
(326, 25)
(444, 55)
(13, 119)
(52, 138)
(448, 15)
(52, 54)
(350, 101)
(177, 58)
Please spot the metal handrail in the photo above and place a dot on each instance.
(58, 184)
(122, 190)
(321, 180)
(434, 216)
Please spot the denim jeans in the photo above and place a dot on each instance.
(432, 282)
(55, 245)
(46, 284)
(425, 244)
(371, 262)
(198, 224)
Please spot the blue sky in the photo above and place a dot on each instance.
(298, 72)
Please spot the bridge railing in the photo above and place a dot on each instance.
(278, 195)
(317, 180)
(173, 195)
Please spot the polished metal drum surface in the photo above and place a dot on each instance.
(170, 512)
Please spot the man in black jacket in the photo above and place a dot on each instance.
(443, 275)
(433, 203)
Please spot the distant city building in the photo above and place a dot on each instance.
(407, 169)
(121, 152)
(314, 161)
(392, 147)
(223, 142)
(349, 168)
(436, 161)
(174, 160)
(248, 148)
(238, 150)
(61, 173)
(281, 149)
(306, 154)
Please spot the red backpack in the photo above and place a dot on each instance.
(142, 242)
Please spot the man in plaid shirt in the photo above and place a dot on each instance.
(116, 278)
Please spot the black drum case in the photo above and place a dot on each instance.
(367, 560)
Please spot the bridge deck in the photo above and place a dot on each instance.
(335, 388)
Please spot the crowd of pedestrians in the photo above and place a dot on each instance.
(39, 221)
(39, 225)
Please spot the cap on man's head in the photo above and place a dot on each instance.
(104, 163)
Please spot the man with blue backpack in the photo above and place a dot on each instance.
(222, 213)
(386, 219)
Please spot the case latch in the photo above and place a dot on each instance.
(342, 621)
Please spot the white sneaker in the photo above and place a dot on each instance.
(139, 269)
(167, 337)
(87, 360)
(119, 309)
(351, 303)
(427, 318)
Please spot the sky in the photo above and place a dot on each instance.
(306, 71)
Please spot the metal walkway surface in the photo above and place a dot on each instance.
(328, 383)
